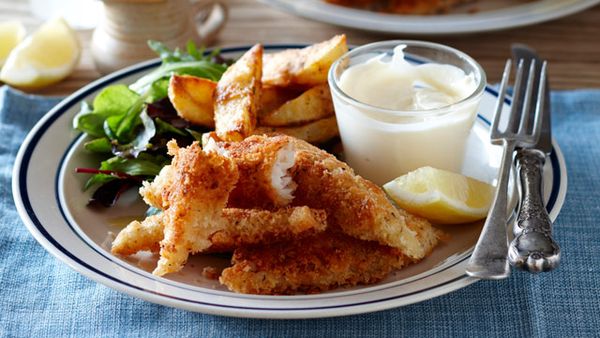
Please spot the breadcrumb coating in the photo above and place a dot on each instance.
(195, 203)
(314, 264)
(139, 236)
(241, 227)
(356, 205)
(253, 227)
(339, 229)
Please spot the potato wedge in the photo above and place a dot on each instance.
(314, 104)
(315, 132)
(192, 98)
(237, 96)
(306, 66)
(274, 97)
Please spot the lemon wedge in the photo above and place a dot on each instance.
(11, 33)
(441, 196)
(47, 56)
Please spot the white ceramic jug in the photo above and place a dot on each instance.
(126, 25)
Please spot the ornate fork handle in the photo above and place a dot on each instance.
(533, 248)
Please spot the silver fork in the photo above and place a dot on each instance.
(489, 258)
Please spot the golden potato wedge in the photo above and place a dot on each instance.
(192, 98)
(315, 132)
(306, 66)
(314, 104)
(274, 97)
(237, 97)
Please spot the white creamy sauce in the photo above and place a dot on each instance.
(381, 146)
(399, 85)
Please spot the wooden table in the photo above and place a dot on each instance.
(571, 44)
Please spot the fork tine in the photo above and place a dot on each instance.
(539, 109)
(518, 93)
(500, 102)
(526, 109)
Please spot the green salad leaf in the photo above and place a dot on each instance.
(130, 120)
(164, 128)
(142, 140)
(144, 165)
(87, 122)
(197, 136)
(194, 62)
(121, 168)
(101, 145)
(114, 100)
(158, 90)
(192, 52)
(98, 179)
(110, 106)
(131, 125)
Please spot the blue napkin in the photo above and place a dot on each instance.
(42, 297)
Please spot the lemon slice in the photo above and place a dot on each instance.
(47, 56)
(11, 33)
(441, 196)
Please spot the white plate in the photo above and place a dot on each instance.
(492, 15)
(49, 198)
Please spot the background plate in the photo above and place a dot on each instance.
(490, 15)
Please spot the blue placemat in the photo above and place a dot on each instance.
(42, 297)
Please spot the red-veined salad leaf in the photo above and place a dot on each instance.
(131, 125)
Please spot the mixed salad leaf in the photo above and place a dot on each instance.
(192, 61)
(131, 125)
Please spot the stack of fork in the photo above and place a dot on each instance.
(533, 248)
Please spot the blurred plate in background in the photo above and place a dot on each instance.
(481, 16)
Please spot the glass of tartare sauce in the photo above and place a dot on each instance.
(402, 105)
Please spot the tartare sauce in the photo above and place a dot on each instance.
(408, 114)
(399, 85)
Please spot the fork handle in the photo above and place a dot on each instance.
(489, 260)
(533, 248)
